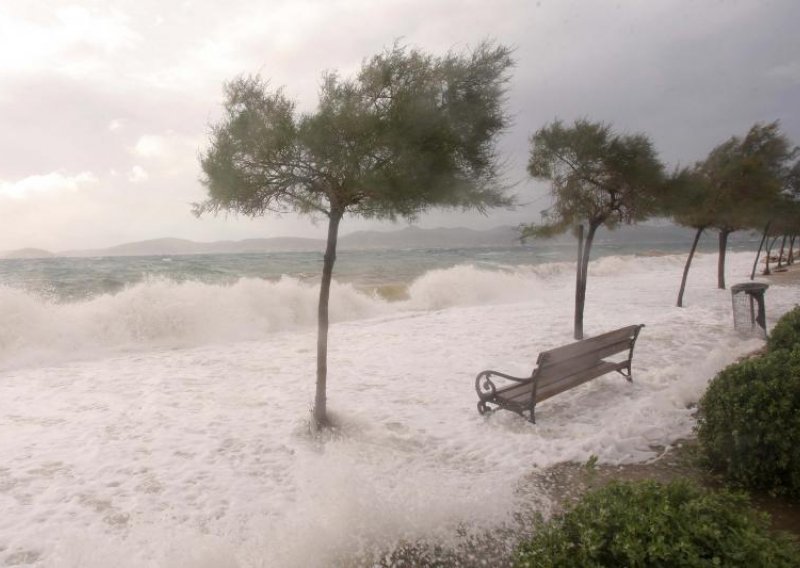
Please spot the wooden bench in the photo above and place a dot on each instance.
(558, 370)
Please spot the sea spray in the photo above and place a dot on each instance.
(160, 313)
(468, 285)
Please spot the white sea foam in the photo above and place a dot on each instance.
(160, 313)
(191, 451)
(466, 285)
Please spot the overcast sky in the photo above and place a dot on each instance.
(105, 105)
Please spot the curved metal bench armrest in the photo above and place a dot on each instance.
(486, 389)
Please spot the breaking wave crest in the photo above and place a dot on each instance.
(162, 313)
(467, 285)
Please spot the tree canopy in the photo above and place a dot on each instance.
(688, 200)
(410, 131)
(596, 176)
(747, 175)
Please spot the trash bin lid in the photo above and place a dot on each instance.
(749, 287)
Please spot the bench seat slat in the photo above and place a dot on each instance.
(515, 391)
(543, 392)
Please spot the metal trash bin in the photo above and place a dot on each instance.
(749, 313)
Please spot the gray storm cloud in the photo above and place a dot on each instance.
(105, 106)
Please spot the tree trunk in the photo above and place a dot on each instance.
(767, 271)
(723, 248)
(320, 400)
(780, 254)
(760, 246)
(688, 264)
(790, 260)
(580, 296)
(578, 323)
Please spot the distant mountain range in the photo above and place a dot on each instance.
(27, 253)
(407, 238)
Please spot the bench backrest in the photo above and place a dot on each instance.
(570, 365)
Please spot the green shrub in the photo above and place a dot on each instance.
(749, 423)
(786, 333)
(647, 524)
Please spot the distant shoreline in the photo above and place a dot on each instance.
(407, 238)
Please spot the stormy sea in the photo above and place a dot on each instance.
(154, 411)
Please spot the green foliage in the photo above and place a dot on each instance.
(792, 187)
(747, 176)
(742, 183)
(687, 200)
(786, 333)
(785, 216)
(648, 524)
(596, 175)
(749, 422)
(408, 132)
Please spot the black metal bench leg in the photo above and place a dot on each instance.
(629, 375)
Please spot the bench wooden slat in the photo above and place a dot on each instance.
(586, 345)
(558, 370)
(514, 391)
(598, 351)
(569, 366)
(544, 392)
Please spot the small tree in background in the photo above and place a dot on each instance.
(784, 221)
(597, 177)
(689, 205)
(781, 214)
(746, 176)
(792, 192)
(409, 132)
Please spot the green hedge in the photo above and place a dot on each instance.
(647, 524)
(786, 333)
(749, 422)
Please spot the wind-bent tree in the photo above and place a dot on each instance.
(792, 211)
(597, 177)
(746, 177)
(723, 171)
(779, 210)
(784, 224)
(410, 131)
(776, 215)
(688, 203)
